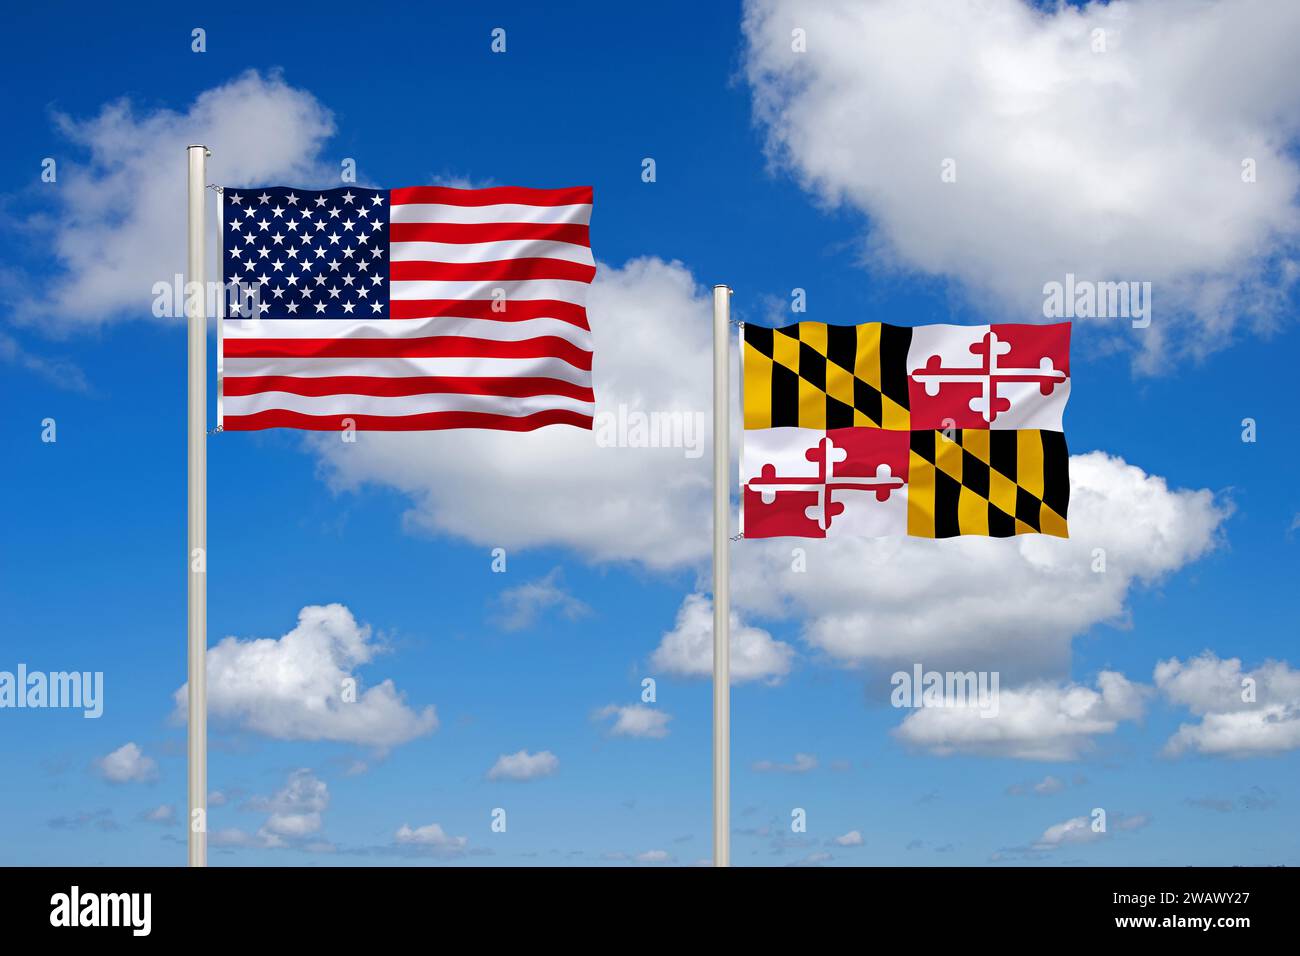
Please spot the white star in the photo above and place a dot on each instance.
(334, 239)
(263, 252)
(320, 307)
(334, 293)
(235, 252)
(334, 265)
(264, 199)
(278, 211)
(347, 253)
(362, 291)
(291, 225)
(277, 292)
(291, 279)
(348, 197)
(348, 225)
(278, 265)
(347, 307)
(376, 252)
(292, 253)
(293, 200)
(347, 280)
(377, 199)
(277, 238)
(262, 279)
(363, 265)
(236, 198)
(376, 307)
(320, 200)
(291, 308)
(377, 280)
(376, 225)
(263, 225)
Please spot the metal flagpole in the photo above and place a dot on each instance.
(721, 576)
(197, 322)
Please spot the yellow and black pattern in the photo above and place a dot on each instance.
(996, 483)
(814, 375)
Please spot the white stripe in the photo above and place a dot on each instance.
(578, 214)
(490, 251)
(401, 404)
(491, 329)
(393, 367)
(564, 290)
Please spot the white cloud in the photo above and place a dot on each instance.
(127, 764)
(521, 606)
(1243, 713)
(1049, 785)
(1035, 722)
(524, 766)
(852, 838)
(654, 856)
(430, 837)
(651, 325)
(990, 604)
(294, 815)
(802, 763)
(1078, 830)
(635, 720)
(1123, 165)
(295, 811)
(119, 225)
(687, 650)
(163, 814)
(292, 687)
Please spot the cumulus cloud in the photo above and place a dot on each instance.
(651, 327)
(1078, 830)
(430, 838)
(1117, 165)
(294, 818)
(989, 604)
(117, 228)
(687, 650)
(293, 687)
(523, 766)
(635, 720)
(852, 838)
(1035, 722)
(294, 812)
(127, 764)
(1243, 713)
(521, 606)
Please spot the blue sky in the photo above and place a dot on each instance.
(772, 173)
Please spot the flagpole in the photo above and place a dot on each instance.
(721, 576)
(197, 322)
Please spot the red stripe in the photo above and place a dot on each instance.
(511, 311)
(573, 196)
(522, 387)
(490, 271)
(434, 346)
(278, 418)
(488, 232)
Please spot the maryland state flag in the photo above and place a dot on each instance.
(881, 430)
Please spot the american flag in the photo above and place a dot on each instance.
(405, 309)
